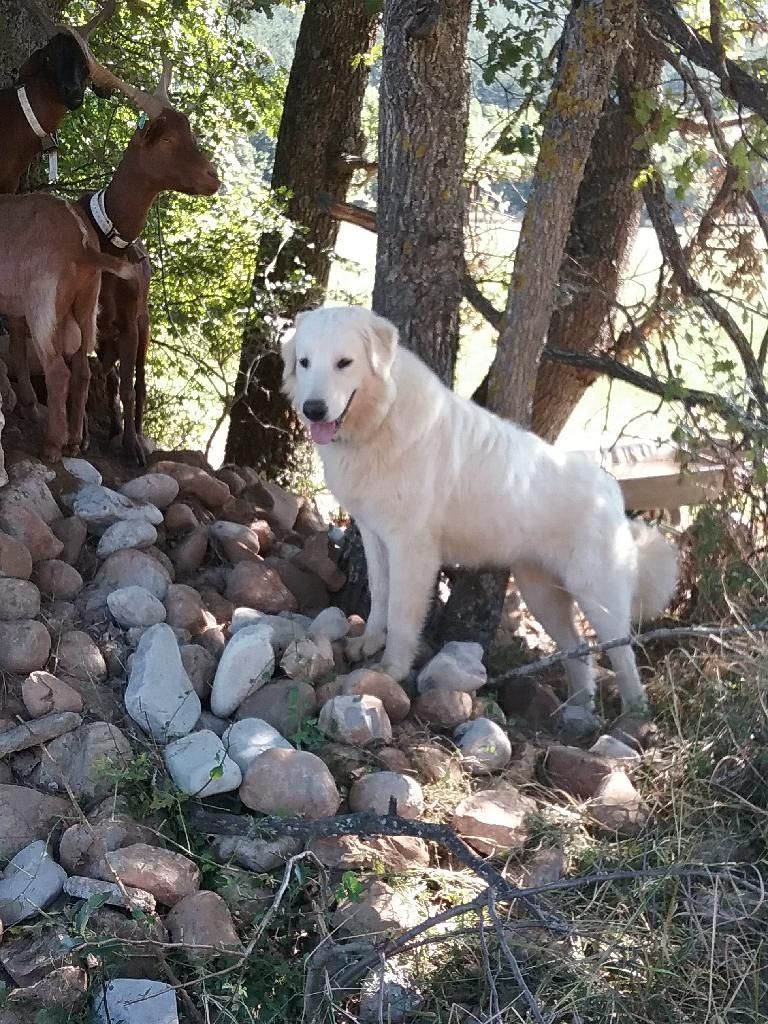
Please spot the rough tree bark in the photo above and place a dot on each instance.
(596, 32)
(318, 141)
(602, 232)
(424, 105)
(423, 114)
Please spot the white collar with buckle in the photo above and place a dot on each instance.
(107, 228)
(50, 143)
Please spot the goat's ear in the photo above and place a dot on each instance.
(288, 353)
(152, 130)
(32, 65)
(381, 343)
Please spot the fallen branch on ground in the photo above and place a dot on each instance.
(585, 650)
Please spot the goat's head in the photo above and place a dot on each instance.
(171, 156)
(166, 149)
(64, 62)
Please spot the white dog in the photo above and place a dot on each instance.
(434, 480)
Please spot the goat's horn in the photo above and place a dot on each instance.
(106, 12)
(161, 92)
(42, 17)
(101, 76)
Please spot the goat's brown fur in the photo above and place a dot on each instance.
(162, 156)
(50, 276)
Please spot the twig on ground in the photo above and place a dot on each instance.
(585, 650)
(511, 959)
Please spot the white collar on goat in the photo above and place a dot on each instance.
(29, 113)
(50, 143)
(107, 228)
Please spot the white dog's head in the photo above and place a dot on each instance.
(336, 371)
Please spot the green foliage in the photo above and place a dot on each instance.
(143, 783)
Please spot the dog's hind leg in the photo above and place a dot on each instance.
(375, 635)
(609, 613)
(550, 603)
(413, 568)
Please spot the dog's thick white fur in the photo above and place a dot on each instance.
(434, 480)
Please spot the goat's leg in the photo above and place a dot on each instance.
(78, 396)
(19, 353)
(129, 349)
(57, 383)
(141, 377)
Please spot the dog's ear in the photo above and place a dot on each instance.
(381, 343)
(288, 353)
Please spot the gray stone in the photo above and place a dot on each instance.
(246, 664)
(135, 1001)
(484, 745)
(331, 623)
(31, 882)
(258, 855)
(610, 746)
(157, 488)
(248, 738)
(133, 568)
(458, 666)
(159, 696)
(39, 730)
(131, 533)
(19, 599)
(75, 762)
(494, 820)
(357, 720)
(78, 655)
(99, 507)
(308, 659)
(282, 629)
(114, 895)
(82, 470)
(24, 646)
(135, 606)
(375, 791)
(389, 994)
(200, 766)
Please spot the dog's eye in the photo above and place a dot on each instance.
(304, 363)
(343, 364)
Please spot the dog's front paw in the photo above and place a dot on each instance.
(365, 646)
(395, 668)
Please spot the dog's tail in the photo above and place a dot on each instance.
(656, 571)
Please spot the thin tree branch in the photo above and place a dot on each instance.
(672, 251)
(734, 79)
(586, 650)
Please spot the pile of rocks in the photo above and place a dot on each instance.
(190, 614)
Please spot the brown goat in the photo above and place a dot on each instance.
(50, 276)
(50, 83)
(163, 155)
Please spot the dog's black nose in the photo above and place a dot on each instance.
(315, 409)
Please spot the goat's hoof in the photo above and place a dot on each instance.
(72, 450)
(51, 453)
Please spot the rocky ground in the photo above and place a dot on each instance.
(169, 640)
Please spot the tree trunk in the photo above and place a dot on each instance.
(424, 105)
(423, 114)
(603, 230)
(596, 32)
(20, 35)
(319, 131)
(594, 35)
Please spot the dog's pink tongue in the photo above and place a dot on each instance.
(322, 433)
